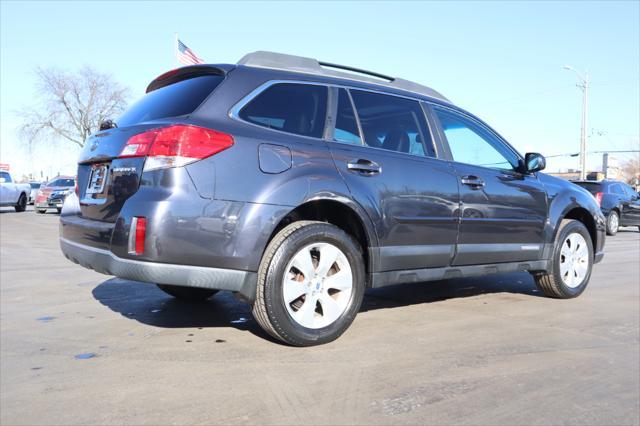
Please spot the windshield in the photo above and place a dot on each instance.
(34, 185)
(62, 182)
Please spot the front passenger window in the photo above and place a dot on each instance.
(471, 144)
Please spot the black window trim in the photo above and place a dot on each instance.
(332, 102)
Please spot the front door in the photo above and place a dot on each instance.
(503, 211)
(630, 214)
(384, 151)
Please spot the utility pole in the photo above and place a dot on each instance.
(584, 86)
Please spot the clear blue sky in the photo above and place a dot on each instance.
(501, 60)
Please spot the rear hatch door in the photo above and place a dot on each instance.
(106, 181)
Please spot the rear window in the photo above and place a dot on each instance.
(592, 187)
(62, 182)
(616, 188)
(176, 99)
(293, 108)
(393, 123)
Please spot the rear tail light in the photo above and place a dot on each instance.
(76, 189)
(137, 235)
(175, 146)
(599, 198)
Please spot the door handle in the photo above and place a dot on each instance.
(363, 166)
(473, 181)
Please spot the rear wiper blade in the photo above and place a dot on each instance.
(108, 124)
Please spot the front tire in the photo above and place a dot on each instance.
(311, 283)
(190, 294)
(571, 262)
(22, 203)
(613, 223)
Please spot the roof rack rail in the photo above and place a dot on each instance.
(281, 61)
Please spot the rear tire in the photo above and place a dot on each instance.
(613, 223)
(191, 294)
(22, 203)
(311, 283)
(59, 210)
(571, 262)
(41, 211)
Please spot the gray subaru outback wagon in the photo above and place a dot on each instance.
(298, 184)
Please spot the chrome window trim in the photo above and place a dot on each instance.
(234, 112)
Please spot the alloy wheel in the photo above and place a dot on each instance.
(317, 285)
(574, 260)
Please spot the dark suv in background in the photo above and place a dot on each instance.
(298, 184)
(619, 202)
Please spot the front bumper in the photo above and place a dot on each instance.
(105, 262)
(50, 203)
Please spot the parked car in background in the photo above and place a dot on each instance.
(298, 185)
(12, 193)
(35, 186)
(620, 203)
(52, 194)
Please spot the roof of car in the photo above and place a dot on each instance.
(303, 65)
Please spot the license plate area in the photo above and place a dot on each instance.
(97, 179)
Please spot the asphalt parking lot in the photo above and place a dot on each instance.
(78, 347)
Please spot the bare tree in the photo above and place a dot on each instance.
(71, 105)
(631, 170)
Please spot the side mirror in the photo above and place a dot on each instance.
(534, 162)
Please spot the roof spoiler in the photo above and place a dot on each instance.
(184, 73)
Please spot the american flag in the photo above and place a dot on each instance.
(187, 56)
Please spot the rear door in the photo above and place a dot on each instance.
(503, 211)
(383, 148)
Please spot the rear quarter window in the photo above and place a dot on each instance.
(299, 109)
(177, 99)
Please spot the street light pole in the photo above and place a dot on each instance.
(584, 85)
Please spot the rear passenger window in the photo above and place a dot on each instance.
(616, 189)
(346, 129)
(393, 123)
(293, 108)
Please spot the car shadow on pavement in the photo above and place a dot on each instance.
(436, 291)
(149, 305)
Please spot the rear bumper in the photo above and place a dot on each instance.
(106, 262)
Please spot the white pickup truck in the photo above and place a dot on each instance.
(13, 194)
